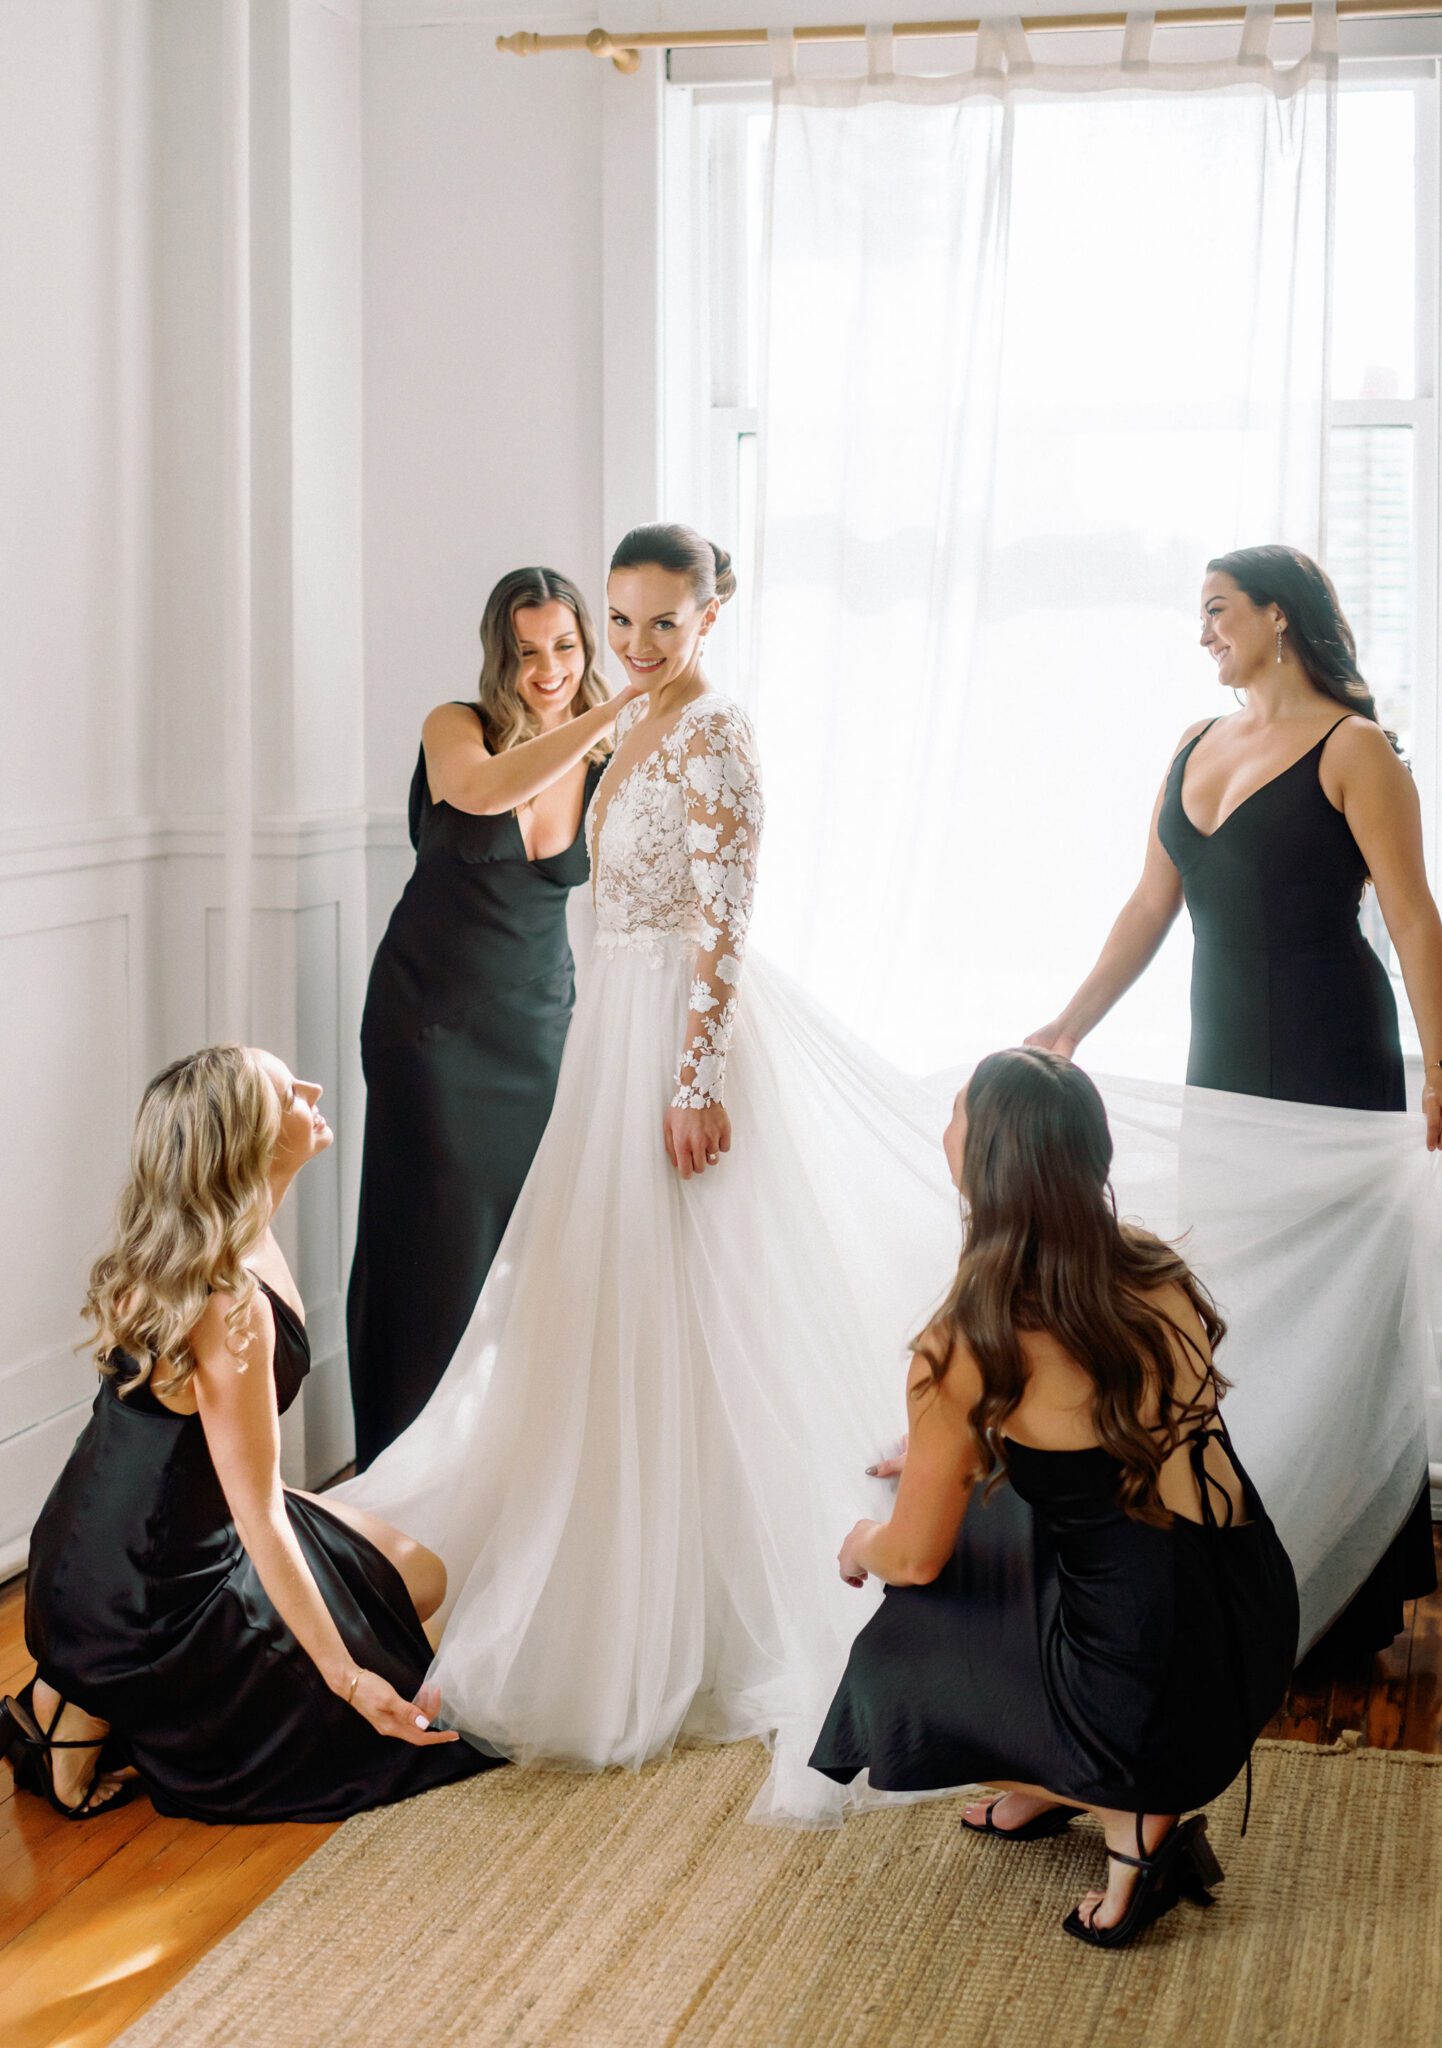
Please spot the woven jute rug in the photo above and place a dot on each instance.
(629, 1912)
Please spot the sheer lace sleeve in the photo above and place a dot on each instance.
(720, 778)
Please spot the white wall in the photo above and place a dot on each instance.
(115, 499)
(482, 352)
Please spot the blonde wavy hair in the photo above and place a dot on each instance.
(505, 715)
(195, 1202)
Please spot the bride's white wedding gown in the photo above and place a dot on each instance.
(642, 1459)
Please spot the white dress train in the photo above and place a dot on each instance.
(641, 1461)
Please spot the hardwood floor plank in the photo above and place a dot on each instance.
(98, 1918)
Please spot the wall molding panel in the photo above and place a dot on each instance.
(112, 945)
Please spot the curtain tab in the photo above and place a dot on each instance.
(990, 51)
(1018, 49)
(782, 45)
(1256, 34)
(1137, 39)
(880, 53)
(1324, 28)
(1002, 50)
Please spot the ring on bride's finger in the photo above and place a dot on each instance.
(712, 1157)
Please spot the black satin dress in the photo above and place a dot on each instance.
(466, 1015)
(1289, 1001)
(142, 1606)
(1069, 1647)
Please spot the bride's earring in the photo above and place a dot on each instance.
(1280, 631)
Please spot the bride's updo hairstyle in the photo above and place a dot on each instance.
(684, 552)
(505, 715)
(1042, 1249)
(1316, 624)
(196, 1201)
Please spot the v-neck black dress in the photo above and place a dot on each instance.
(1288, 998)
(143, 1606)
(1289, 1001)
(466, 1014)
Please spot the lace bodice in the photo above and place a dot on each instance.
(673, 860)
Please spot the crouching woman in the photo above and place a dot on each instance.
(1109, 1629)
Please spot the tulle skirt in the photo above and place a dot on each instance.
(653, 1436)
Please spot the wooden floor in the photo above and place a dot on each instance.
(97, 1919)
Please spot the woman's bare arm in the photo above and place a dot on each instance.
(1380, 804)
(237, 1408)
(941, 1468)
(1132, 944)
(464, 773)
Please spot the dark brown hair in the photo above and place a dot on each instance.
(1043, 1250)
(685, 552)
(1316, 624)
(505, 715)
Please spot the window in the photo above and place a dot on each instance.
(1382, 537)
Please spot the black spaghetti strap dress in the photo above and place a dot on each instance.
(142, 1606)
(466, 1015)
(1069, 1647)
(1289, 1001)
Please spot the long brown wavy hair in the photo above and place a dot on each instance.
(1043, 1250)
(505, 715)
(1317, 626)
(195, 1202)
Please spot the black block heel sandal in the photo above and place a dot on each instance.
(1054, 1821)
(1182, 1867)
(30, 1755)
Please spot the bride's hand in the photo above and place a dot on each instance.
(1052, 1038)
(378, 1702)
(1432, 1110)
(696, 1138)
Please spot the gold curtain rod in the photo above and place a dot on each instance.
(625, 49)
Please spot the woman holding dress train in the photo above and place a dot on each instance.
(1269, 825)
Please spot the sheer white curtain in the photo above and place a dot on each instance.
(1040, 342)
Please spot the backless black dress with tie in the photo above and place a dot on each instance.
(142, 1605)
(1289, 1001)
(1068, 1646)
(466, 1015)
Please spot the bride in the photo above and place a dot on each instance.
(640, 1459)
(654, 1431)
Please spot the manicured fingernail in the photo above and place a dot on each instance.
(421, 1721)
(871, 1471)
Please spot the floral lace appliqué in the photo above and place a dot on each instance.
(676, 857)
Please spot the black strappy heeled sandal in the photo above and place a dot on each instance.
(30, 1755)
(1181, 1867)
(1040, 1828)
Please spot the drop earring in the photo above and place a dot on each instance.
(1280, 631)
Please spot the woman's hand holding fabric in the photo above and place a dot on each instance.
(378, 1702)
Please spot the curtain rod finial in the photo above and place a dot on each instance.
(524, 43)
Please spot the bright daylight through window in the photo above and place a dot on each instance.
(1382, 539)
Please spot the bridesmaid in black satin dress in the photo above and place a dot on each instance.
(1087, 1605)
(471, 991)
(1269, 826)
(249, 1652)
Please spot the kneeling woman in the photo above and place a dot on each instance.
(1111, 1628)
(254, 1654)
